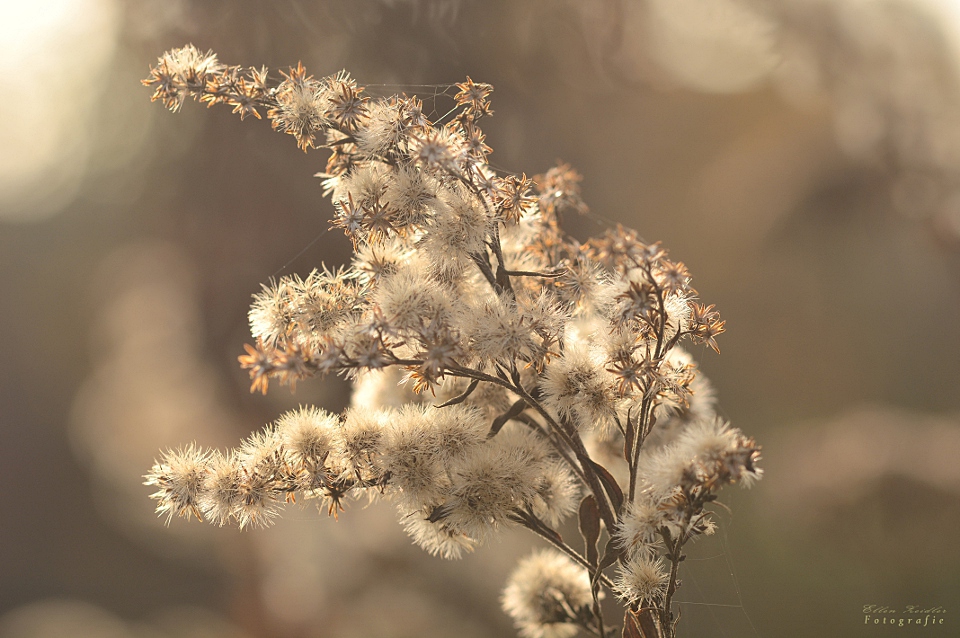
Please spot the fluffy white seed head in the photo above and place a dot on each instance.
(496, 332)
(579, 388)
(639, 526)
(301, 105)
(677, 308)
(364, 186)
(642, 579)
(585, 288)
(376, 260)
(382, 130)
(307, 435)
(301, 310)
(182, 72)
(458, 429)
(179, 477)
(493, 481)
(361, 441)
(272, 314)
(660, 471)
(413, 195)
(547, 316)
(722, 452)
(410, 300)
(438, 150)
(542, 591)
(674, 418)
(457, 230)
(558, 494)
(411, 455)
(707, 451)
(260, 462)
(221, 498)
(439, 538)
(707, 440)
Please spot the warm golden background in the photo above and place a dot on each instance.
(802, 157)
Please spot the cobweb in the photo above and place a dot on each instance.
(710, 601)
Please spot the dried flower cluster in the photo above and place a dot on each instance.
(505, 374)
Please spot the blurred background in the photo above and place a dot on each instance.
(802, 157)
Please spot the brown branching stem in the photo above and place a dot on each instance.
(528, 520)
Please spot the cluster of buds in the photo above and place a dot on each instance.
(505, 374)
